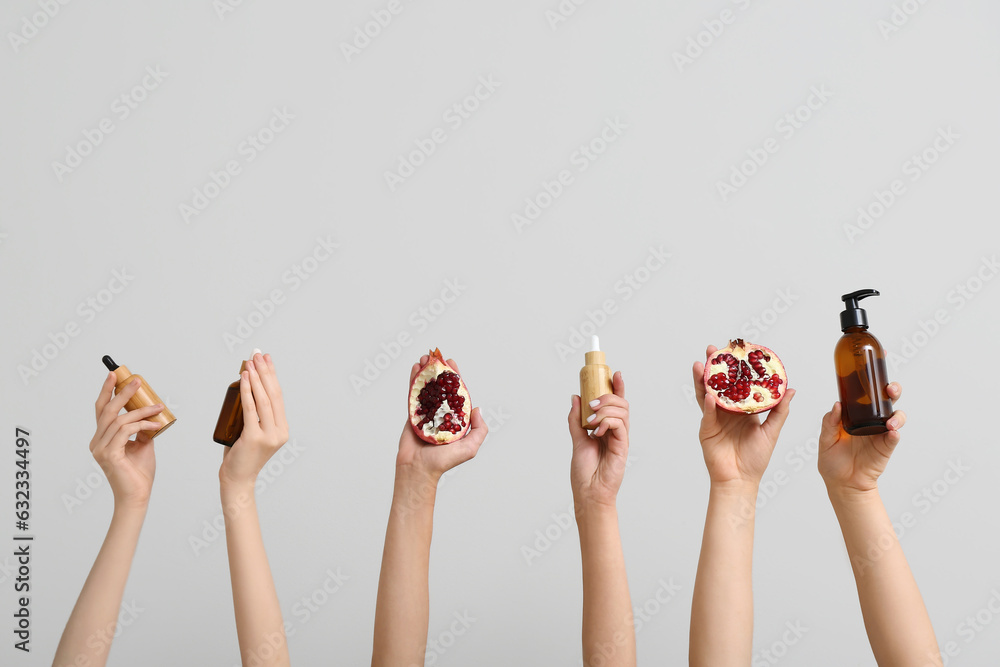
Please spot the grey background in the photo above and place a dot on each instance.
(522, 294)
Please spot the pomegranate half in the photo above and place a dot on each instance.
(439, 402)
(745, 378)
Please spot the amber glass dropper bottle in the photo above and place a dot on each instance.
(142, 398)
(861, 373)
(230, 424)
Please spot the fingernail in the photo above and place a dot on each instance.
(594, 403)
(135, 382)
(591, 418)
(892, 424)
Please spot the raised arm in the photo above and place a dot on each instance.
(402, 607)
(899, 628)
(737, 449)
(259, 626)
(596, 472)
(129, 466)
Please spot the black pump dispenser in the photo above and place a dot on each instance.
(862, 377)
(853, 315)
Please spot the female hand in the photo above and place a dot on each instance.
(854, 463)
(432, 461)
(128, 464)
(599, 457)
(737, 447)
(265, 429)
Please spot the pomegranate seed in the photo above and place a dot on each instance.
(437, 391)
(744, 375)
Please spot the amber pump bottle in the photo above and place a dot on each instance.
(861, 374)
(143, 397)
(230, 424)
(595, 381)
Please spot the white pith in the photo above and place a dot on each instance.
(431, 427)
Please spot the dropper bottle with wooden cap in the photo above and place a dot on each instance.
(230, 424)
(143, 397)
(595, 381)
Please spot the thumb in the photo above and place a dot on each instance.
(776, 417)
(617, 442)
(885, 444)
(473, 440)
(711, 417)
(829, 432)
(698, 371)
(576, 431)
(141, 443)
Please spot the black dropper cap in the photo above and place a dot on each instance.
(853, 315)
(109, 362)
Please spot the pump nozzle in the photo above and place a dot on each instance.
(595, 344)
(851, 300)
(853, 315)
(109, 362)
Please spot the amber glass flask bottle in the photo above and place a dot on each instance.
(230, 424)
(142, 398)
(861, 373)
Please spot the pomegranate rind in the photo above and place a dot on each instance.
(433, 368)
(749, 405)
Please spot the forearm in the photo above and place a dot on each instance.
(899, 628)
(722, 608)
(402, 606)
(608, 631)
(91, 626)
(259, 625)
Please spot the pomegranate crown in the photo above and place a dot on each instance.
(435, 354)
(737, 343)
